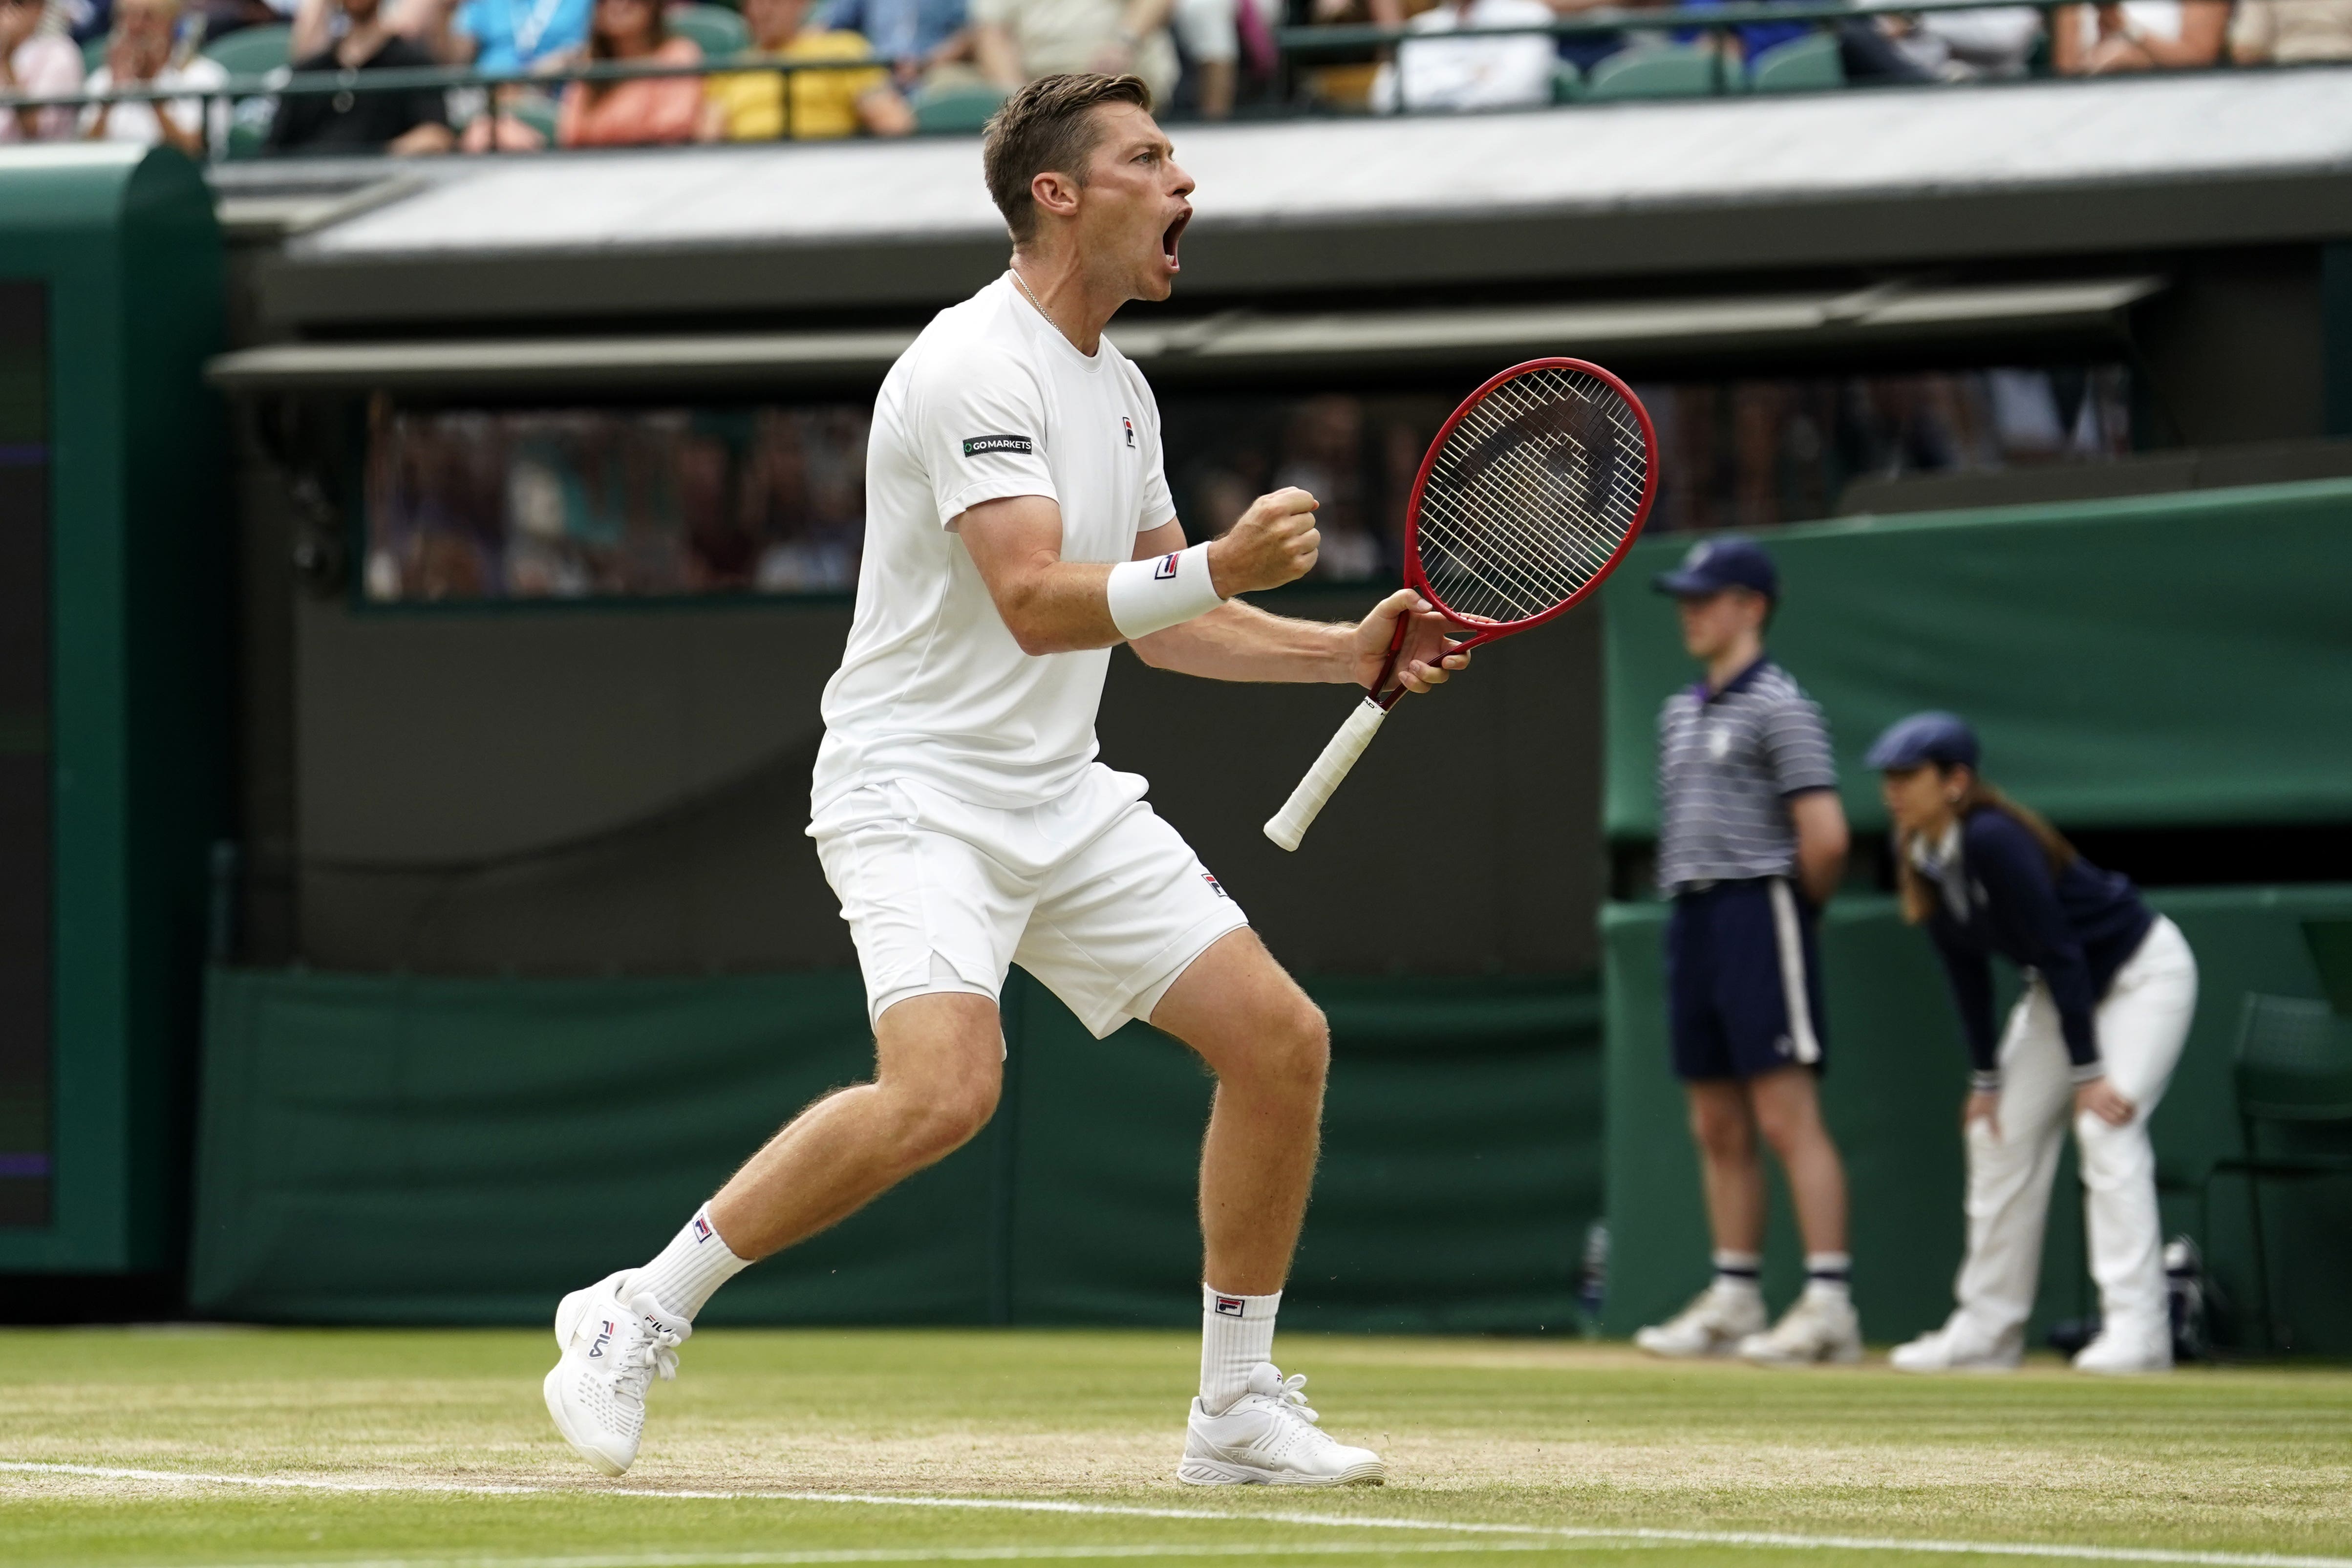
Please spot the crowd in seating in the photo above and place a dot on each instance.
(887, 68)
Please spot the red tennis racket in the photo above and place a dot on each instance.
(1530, 495)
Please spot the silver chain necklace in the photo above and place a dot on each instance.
(1023, 284)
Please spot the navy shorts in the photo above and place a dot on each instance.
(1743, 981)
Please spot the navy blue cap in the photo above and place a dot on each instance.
(1944, 739)
(1726, 561)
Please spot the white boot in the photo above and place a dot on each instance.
(1713, 1324)
(612, 1350)
(1268, 1437)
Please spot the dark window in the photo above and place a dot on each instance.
(25, 804)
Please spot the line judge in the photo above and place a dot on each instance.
(1019, 525)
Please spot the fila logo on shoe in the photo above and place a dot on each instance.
(602, 1340)
(1228, 1306)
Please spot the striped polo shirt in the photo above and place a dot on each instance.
(1727, 764)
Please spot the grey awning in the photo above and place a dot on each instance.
(1232, 344)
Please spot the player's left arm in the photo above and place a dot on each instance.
(1237, 641)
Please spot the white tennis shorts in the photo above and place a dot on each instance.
(1208, 28)
(1092, 893)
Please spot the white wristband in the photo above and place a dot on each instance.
(1147, 596)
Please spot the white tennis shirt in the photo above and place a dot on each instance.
(992, 401)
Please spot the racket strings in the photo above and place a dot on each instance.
(1531, 495)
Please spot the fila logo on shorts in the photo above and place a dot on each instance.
(1228, 1307)
(1214, 886)
(974, 446)
(1128, 426)
(701, 1230)
(1166, 569)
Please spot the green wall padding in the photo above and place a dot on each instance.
(2148, 661)
(379, 1149)
(1897, 1074)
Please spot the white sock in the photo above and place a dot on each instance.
(1826, 1274)
(1236, 1333)
(690, 1270)
(1736, 1272)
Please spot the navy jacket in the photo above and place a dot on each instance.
(2074, 930)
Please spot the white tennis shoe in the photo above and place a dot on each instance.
(613, 1349)
(1269, 1438)
(1819, 1328)
(1958, 1346)
(1713, 1324)
(2119, 1352)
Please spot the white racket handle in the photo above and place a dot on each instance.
(1289, 824)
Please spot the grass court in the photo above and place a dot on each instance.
(202, 1448)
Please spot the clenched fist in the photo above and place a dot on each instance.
(1274, 543)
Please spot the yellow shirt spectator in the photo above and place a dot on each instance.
(825, 102)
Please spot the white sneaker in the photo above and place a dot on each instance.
(611, 1350)
(2118, 1352)
(1956, 1347)
(1269, 1438)
(1819, 1328)
(1713, 1324)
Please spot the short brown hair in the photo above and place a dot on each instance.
(1047, 126)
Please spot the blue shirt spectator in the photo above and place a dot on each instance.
(903, 32)
(1755, 38)
(516, 34)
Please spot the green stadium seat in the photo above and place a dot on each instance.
(718, 32)
(252, 51)
(1810, 64)
(956, 111)
(1669, 70)
(1567, 82)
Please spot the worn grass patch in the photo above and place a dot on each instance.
(1534, 1437)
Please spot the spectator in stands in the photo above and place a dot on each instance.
(633, 114)
(505, 36)
(1470, 73)
(1019, 40)
(927, 42)
(750, 107)
(38, 66)
(1969, 46)
(2137, 36)
(351, 121)
(2291, 32)
(1211, 33)
(145, 50)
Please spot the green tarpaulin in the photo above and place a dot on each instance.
(376, 1149)
(2174, 660)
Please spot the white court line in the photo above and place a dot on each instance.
(1767, 1540)
(948, 1554)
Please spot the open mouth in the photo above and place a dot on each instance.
(1171, 234)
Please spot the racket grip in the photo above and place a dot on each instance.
(1289, 824)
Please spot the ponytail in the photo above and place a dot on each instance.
(1919, 902)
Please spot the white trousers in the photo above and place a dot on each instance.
(2142, 1024)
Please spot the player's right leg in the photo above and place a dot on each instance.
(1723, 1130)
(938, 1067)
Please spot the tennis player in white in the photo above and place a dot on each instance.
(1019, 525)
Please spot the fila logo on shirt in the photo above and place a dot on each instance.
(1128, 426)
(701, 1230)
(1214, 886)
(1166, 569)
(1228, 1307)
